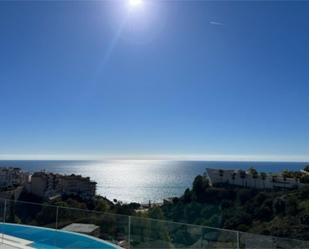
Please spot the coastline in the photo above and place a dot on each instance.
(141, 181)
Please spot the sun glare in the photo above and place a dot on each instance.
(135, 3)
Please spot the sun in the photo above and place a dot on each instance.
(135, 3)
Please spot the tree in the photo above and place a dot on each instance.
(292, 206)
(221, 173)
(158, 229)
(263, 177)
(244, 195)
(187, 196)
(242, 175)
(279, 206)
(253, 172)
(199, 187)
(234, 177)
(156, 213)
(304, 192)
(304, 178)
(101, 206)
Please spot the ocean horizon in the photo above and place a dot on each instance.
(142, 180)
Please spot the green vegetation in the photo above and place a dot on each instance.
(283, 213)
(279, 213)
(302, 178)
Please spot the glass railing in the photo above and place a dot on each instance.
(255, 241)
(109, 227)
(21, 219)
(2, 212)
(151, 233)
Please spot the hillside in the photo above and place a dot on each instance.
(278, 213)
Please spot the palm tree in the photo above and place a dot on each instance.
(233, 177)
(253, 172)
(221, 173)
(263, 177)
(242, 175)
(255, 176)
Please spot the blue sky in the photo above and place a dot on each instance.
(166, 78)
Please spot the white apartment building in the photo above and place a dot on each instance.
(245, 179)
(47, 185)
(44, 184)
(10, 177)
(78, 185)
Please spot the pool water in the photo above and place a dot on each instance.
(46, 238)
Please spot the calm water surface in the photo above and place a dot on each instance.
(143, 180)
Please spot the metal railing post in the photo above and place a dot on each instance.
(57, 213)
(238, 242)
(129, 232)
(4, 211)
(4, 214)
(202, 238)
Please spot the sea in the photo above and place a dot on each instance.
(143, 180)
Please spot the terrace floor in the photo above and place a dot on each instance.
(4, 246)
(11, 242)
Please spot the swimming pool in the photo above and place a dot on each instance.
(46, 238)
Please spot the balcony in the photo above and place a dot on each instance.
(30, 225)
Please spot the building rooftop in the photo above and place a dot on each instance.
(81, 228)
